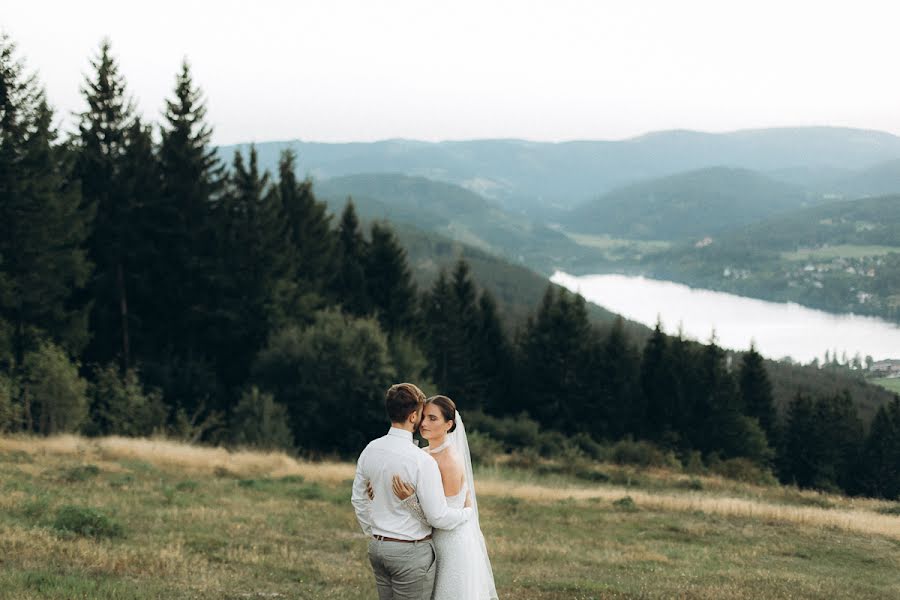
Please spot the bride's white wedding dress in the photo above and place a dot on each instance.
(463, 570)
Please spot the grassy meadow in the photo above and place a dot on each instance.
(889, 383)
(137, 519)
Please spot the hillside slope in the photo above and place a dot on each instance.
(692, 204)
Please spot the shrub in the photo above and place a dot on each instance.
(78, 473)
(332, 377)
(87, 522)
(121, 406)
(9, 410)
(58, 396)
(261, 422)
(641, 454)
(484, 449)
(626, 504)
(745, 470)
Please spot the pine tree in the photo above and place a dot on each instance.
(658, 386)
(798, 461)
(254, 250)
(349, 284)
(437, 317)
(880, 462)
(389, 282)
(309, 226)
(493, 357)
(43, 224)
(617, 409)
(102, 146)
(756, 393)
(192, 178)
(554, 370)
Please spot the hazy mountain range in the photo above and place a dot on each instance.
(539, 178)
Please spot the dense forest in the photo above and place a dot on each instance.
(148, 287)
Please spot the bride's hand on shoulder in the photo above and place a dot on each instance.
(369, 491)
(402, 489)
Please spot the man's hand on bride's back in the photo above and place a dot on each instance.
(402, 489)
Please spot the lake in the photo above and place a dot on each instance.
(779, 329)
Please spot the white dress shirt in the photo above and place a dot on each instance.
(393, 454)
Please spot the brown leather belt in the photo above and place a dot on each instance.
(382, 538)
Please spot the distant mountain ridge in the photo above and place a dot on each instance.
(538, 177)
(453, 212)
(695, 203)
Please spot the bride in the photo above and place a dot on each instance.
(463, 567)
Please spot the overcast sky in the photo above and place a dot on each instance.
(342, 70)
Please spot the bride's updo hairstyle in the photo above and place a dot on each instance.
(447, 408)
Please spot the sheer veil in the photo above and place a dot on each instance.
(460, 444)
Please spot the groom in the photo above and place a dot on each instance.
(400, 548)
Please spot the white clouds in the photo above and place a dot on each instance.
(345, 69)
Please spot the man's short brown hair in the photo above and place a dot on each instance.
(402, 399)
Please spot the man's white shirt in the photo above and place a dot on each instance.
(396, 454)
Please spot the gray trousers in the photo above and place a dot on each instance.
(403, 571)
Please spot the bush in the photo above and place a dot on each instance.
(261, 422)
(332, 377)
(57, 395)
(121, 406)
(9, 410)
(87, 522)
(625, 504)
(484, 449)
(641, 454)
(743, 469)
(78, 473)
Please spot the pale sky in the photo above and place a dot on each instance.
(363, 70)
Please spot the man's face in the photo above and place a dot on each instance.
(419, 415)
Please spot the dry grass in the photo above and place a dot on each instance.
(192, 531)
(852, 515)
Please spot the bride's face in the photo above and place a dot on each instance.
(433, 423)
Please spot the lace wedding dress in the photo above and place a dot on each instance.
(463, 570)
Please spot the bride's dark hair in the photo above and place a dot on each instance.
(447, 408)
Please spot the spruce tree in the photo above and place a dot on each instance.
(43, 223)
(658, 386)
(493, 357)
(309, 227)
(254, 250)
(192, 178)
(349, 284)
(879, 472)
(389, 282)
(102, 146)
(554, 371)
(756, 393)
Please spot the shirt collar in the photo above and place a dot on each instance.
(401, 433)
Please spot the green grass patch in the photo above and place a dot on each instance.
(838, 251)
(888, 383)
(87, 522)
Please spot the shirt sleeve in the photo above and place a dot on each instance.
(360, 500)
(430, 491)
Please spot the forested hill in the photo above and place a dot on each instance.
(453, 212)
(696, 203)
(535, 176)
(866, 221)
(841, 257)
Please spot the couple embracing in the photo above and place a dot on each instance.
(418, 506)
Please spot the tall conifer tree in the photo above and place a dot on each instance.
(756, 393)
(349, 283)
(389, 281)
(101, 167)
(43, 224)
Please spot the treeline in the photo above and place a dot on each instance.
(146, 288)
